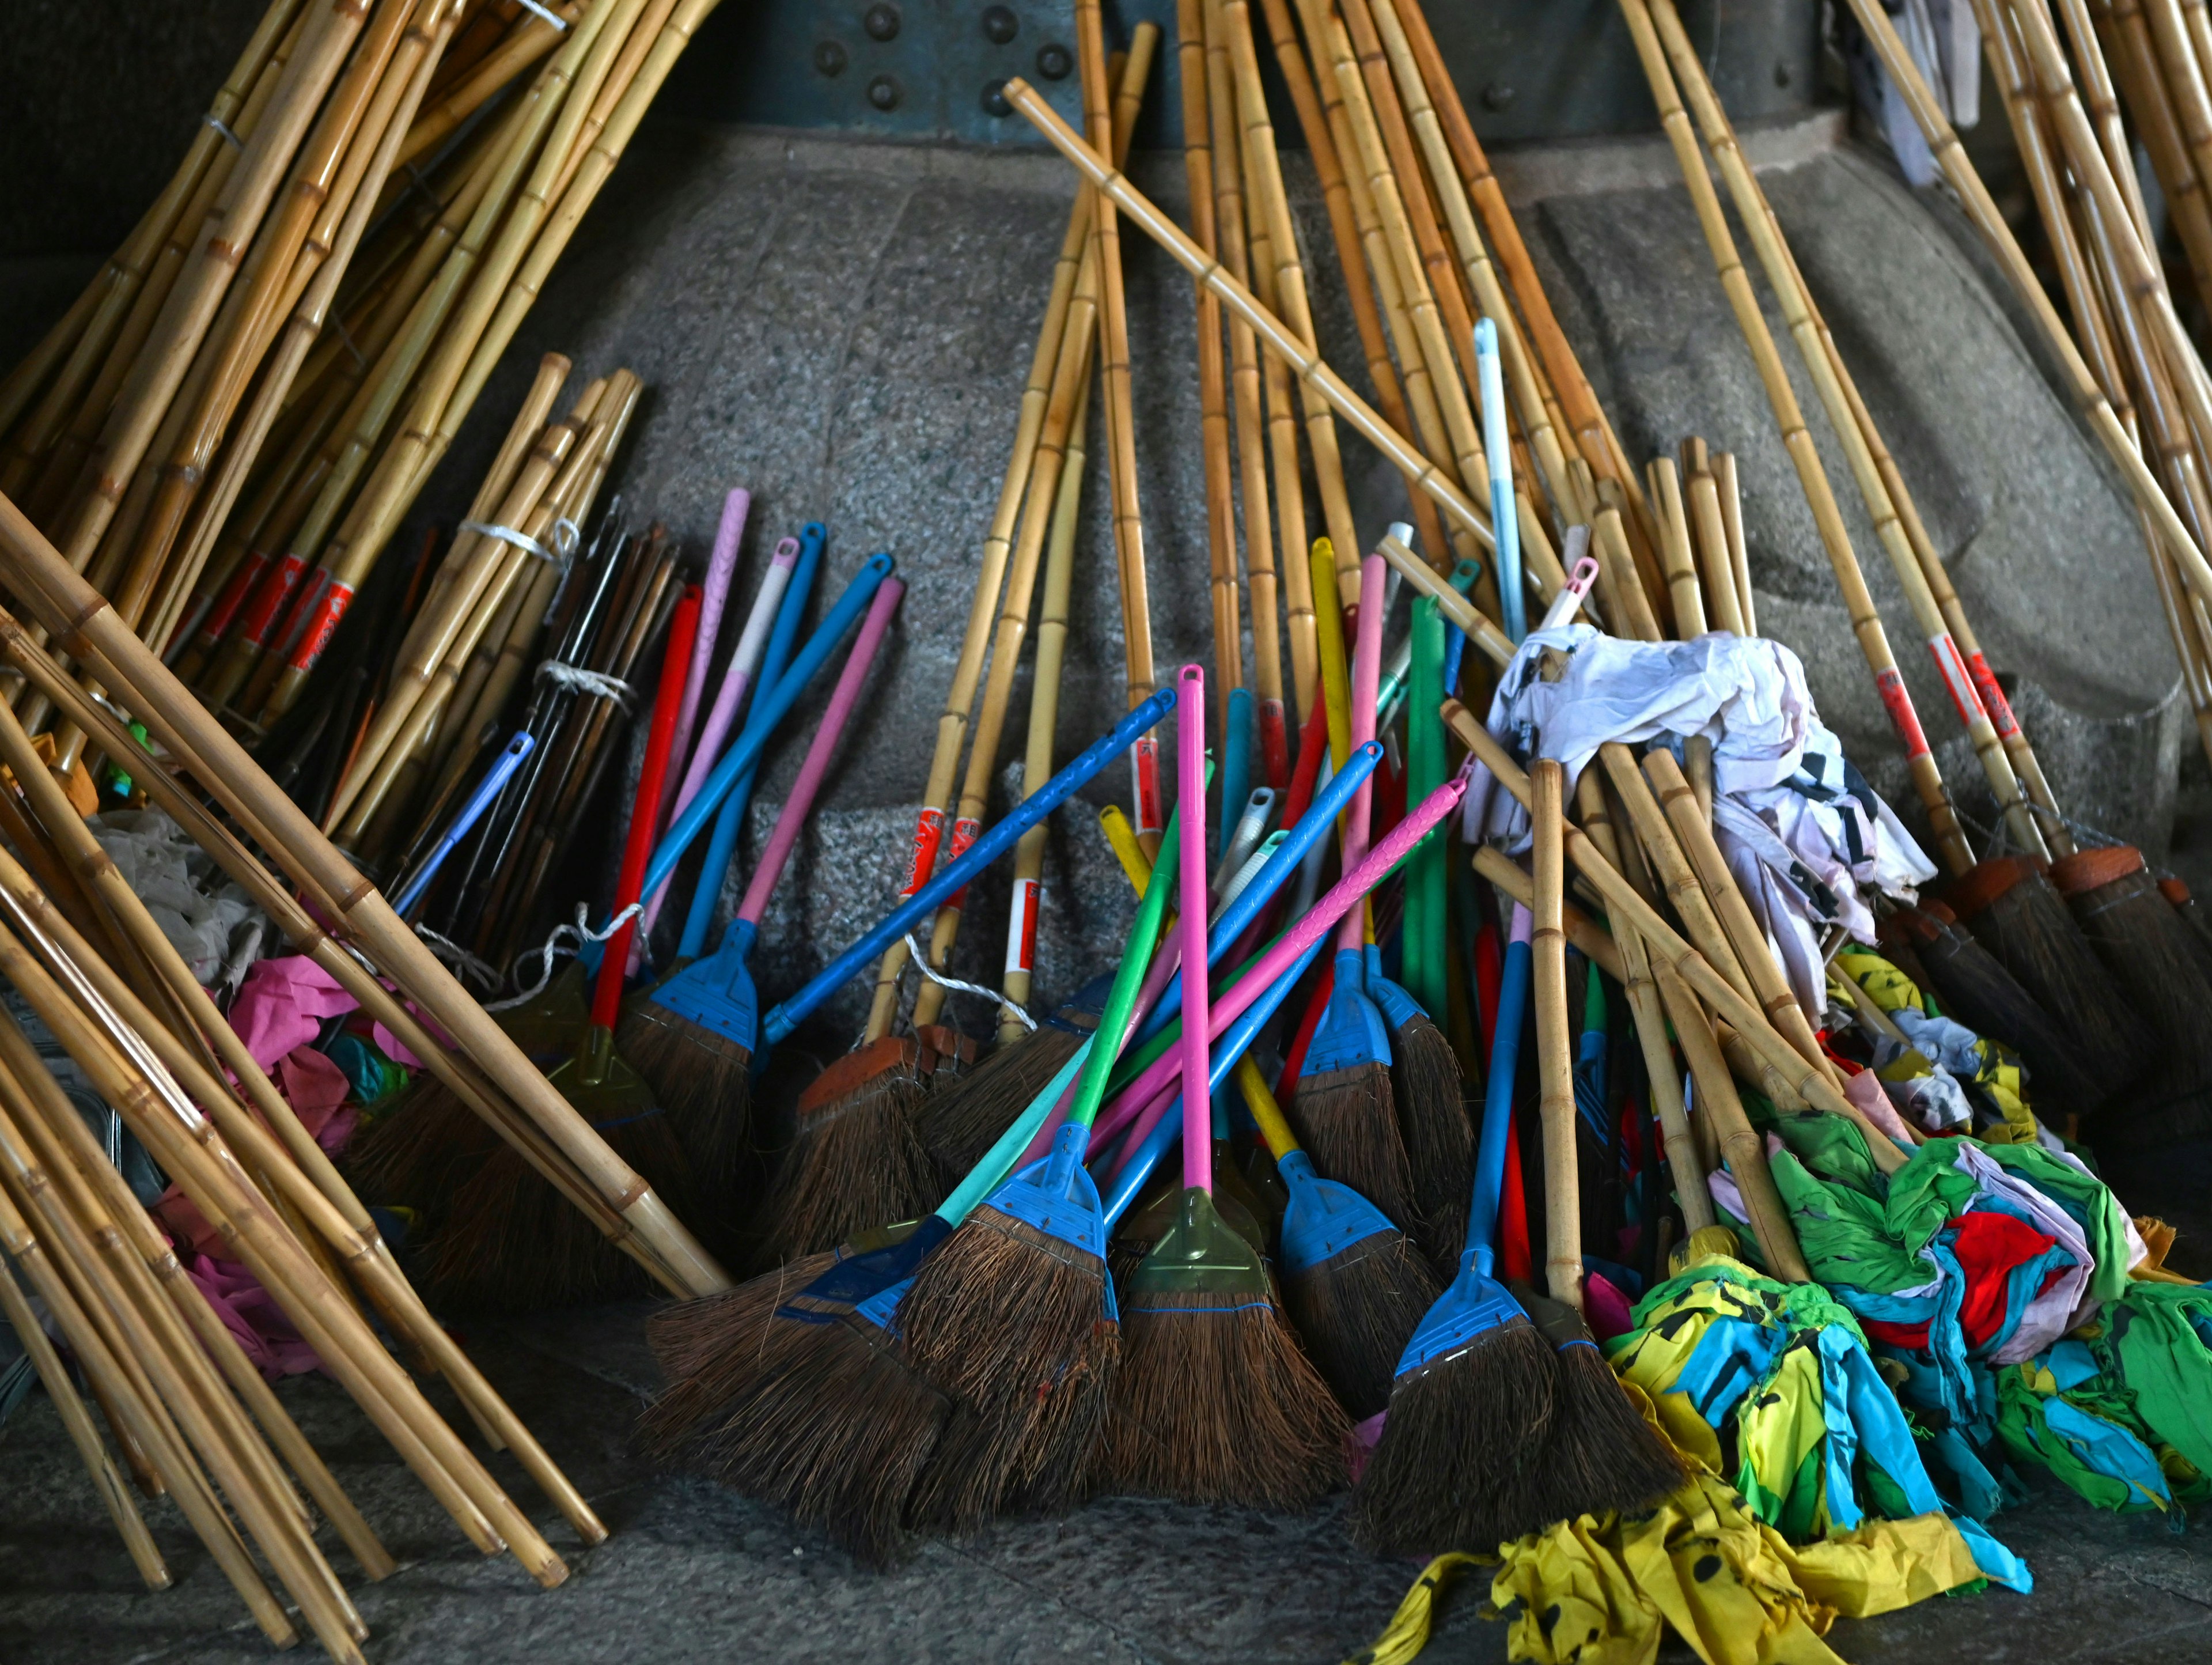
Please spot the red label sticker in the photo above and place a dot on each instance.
(270, 600)
(1144, 760)
(322, 623)
(1021, 928)
(1993, 697)
(1890, 684)
(928, 833)
(964, 832)
(234, 596)
(1955, 679)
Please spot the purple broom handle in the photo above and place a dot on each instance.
(800, 802)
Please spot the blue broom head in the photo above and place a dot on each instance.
(881, 1308)
(1474, 1305)
(859, 1278)
(716, 993)
(1324, 1218)
(1352, 1031)
(1056, 1195)
(1394, 1000)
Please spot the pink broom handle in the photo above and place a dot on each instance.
(1366, 671)
(1190, 798)
(1226, 1008)
(713, 600)
(738, 677)
(800, 802)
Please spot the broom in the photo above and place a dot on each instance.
(1353, 1282)
(1599, 1452)
(855, 1159)
(2013, 913)
(1344, 1108)
(479, 1253)
(2152, 954)
(1474, 1394)
(696, 1031)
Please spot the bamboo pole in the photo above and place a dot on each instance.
(1555, 1064)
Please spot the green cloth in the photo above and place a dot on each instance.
(1844, 1234)
(2154, 1342)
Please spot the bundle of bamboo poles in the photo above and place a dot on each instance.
(225, 432)
(187, 1411)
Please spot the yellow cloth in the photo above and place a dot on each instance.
(1891, 990)
(1407, 1632)
(1777, 1431)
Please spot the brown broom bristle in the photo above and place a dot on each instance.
(711, 1351)
(1451, 1468)
(1438, 1136)
(423, 1151)
(703, 1079)
(1601, 1454)
(2147, 948)
(837, 1431)
(855, 1159)
(1348, 1123)
(965, 1117)
(1355, 1310)
(1216, 1403)
(1011, 1321)
(2011, 908)
(511, 1243)
(1989, 1000)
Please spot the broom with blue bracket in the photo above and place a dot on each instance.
(698, 1029)
(1472, 1397)
(856, 1158)
(1344, 1108)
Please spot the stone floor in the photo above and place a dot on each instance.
(692, 1572)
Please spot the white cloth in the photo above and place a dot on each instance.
(1784, 795)
(206, 916)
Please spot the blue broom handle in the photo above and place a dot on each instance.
(980, 855)
(1497, 1097)
(1235, 1041)
(1319, 819)
(729, 821)
(766, 715)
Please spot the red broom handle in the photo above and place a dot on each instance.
(637, 849)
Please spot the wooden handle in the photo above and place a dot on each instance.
(1555, 1064)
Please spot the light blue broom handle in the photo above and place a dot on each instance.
(766, 715)
(1496, 448)
(730, 820)
(1497, 1098)
(503, 771)
(987, 849)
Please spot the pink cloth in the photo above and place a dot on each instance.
(285, 1002)
(1359, 1444)
(251, 1316)
(1606, 1307)
(1865, 1092)
(316, 1089)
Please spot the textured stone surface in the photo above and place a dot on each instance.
(693, 1571)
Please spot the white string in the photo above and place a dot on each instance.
(578, 680)
(522, 540)
(556, 944)
(465, 963)
(547, 13)
(922, 960)
(223, 128)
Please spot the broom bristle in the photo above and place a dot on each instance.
(1601, 1456)
(2026, 926)
(855, 1159)
(513, 1243)
(1462, 1434)
(1989, 1000)
(2148, 950)
(713, 1350)
(1011, 1321)
(966, 1115)
(1438, 1136)
(837, 1432)
(703, 1079)
(1355, 1310)
(1347, 1121)
(1216, 1403)
(424, 1151)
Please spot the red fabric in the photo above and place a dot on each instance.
(1489, 972)
(1313, 742)
(1914, 1336)
(1513, 1212)
(1988, 1246)
(1286, 1086)
(1390, 800)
